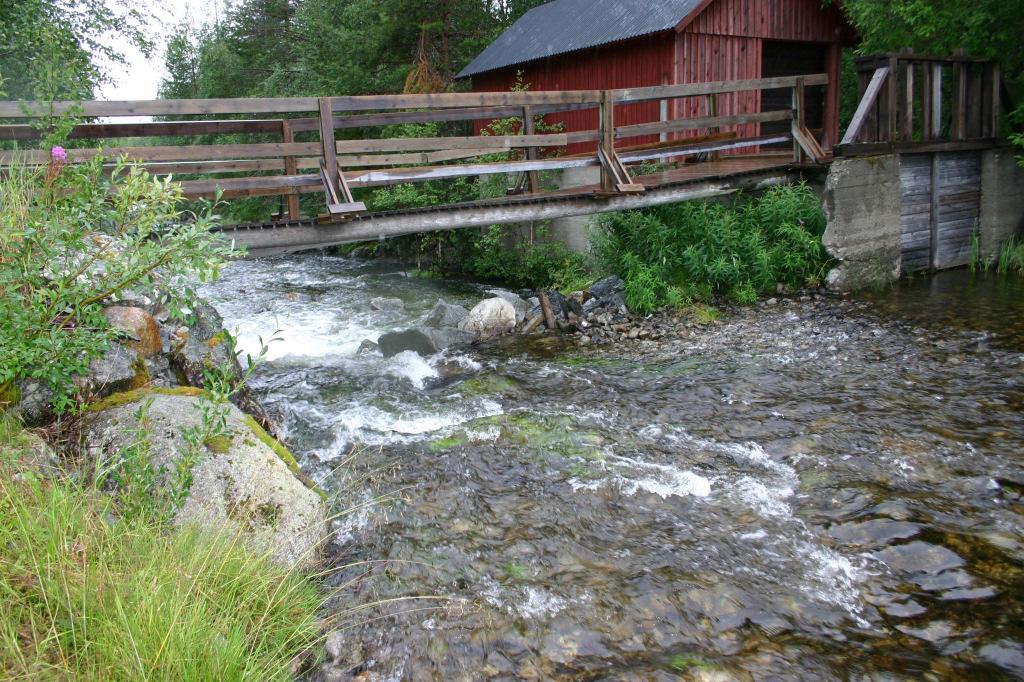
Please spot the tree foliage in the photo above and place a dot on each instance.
(55, 49)
(319, 47)
(984, 28)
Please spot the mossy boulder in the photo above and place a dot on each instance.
(245, 483)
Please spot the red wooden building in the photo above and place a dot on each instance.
(606, 44)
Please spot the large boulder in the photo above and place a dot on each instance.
(490, 317)
(246, 483)
(422, 340)
(521, 306)
(445, 315)
(139, 326)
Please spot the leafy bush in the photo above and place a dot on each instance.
(72, 237)
(86, 596)
(669, 255)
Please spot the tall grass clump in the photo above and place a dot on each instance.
(85, 595)
(1011, 257)
(694, 251)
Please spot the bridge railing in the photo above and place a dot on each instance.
(912, 102)
(300, 148)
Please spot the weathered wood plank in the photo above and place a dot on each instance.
(163, 107)
(455, 100)
(173, 153)
(490, 143)
(159, 128)
(661, 127)
(694, 89)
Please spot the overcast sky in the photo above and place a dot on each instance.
(140, 77)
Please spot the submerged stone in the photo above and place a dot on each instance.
(873, 532)
(919, 557)
(387, 305)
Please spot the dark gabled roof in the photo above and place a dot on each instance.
(563, 26)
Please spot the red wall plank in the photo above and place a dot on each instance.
(633, 63)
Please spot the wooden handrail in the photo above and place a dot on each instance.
(335, 164)
(717, 87)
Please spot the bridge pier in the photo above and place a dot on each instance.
(893, 214)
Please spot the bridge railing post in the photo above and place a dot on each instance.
(290, 168)
(532, 154)
(798, 119)
(606, 130)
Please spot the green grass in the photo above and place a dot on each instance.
(694, 251)
(88, 596)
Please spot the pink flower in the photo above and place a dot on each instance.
(59, 154)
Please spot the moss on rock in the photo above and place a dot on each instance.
(9, 395)
(284, 454)
(135, 395)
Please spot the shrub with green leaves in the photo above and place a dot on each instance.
(691, 251)
(72, 237)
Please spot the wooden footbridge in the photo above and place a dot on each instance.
(338, 146)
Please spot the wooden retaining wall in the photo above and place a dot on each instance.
(940, 209)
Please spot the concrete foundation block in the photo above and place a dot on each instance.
(862, 205)
(1002, 199)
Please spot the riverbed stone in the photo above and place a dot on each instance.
(873, 532)
(919, 557)
(490, 317)
(139, 325)
(248, 485)
(422, 340)
(445, 315)
(417, 340)
(387, 305)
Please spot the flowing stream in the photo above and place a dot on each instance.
(816, 489)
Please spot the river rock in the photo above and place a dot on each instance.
(139, 325)
(116, 370)
(521, 306)
(204, 345)
(35, 402)
(422, 340)
(490, 317)
(367, 347)
(563, 305)
(387, 305)
(241, 487)
(417, 340)
(445, 315)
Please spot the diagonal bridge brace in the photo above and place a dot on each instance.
(612, 164)
(340, 203)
